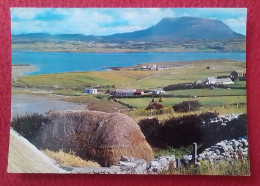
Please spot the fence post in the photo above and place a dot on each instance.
(178, 163)
(194, 152)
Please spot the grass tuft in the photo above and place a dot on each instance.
(231, 168)
(65, 159)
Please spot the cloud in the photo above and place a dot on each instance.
(25, 13)
(239, 24)
(106, 21)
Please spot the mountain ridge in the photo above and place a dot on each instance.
(168, 29)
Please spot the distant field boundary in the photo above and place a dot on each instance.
(174, 96)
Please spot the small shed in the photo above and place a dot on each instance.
(90, 90)
(139, 92)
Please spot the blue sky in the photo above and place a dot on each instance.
(106, 21)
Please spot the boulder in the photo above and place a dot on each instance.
(160, 164)
(132, 165)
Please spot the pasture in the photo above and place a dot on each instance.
(70, 86)
(179, 72)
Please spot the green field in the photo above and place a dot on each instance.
(71, 85)
(205, 101)
(182, 72)
(208, 92)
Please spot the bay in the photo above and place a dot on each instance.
(57, 62)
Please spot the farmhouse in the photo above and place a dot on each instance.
(90, 90)
(124, 92)
(238, 73)
(222, 81)
(158, 91)
(210, 80)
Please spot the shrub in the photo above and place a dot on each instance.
(182, 131)
(27, 125)
(238, 127)
(187, 106)
(177, 132)
(151, 129)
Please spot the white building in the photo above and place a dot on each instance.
(222, 81)
(90, 90)
(158, 91)
(210, 80)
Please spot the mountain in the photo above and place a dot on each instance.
(182, 28)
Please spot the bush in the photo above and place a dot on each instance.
(238, 127)
(151, 129)
(27, 125)
(186, 130)
(187, 106)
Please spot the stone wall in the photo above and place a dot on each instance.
(225, 150)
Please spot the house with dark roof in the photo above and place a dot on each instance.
(238, 73)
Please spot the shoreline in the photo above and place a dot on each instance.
(123, 52)
(20, 70)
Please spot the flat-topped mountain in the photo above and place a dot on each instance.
(181, 29)
(168, 29)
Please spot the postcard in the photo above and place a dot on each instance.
(129, 91)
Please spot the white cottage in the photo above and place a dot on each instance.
(158, 91)
(210, 80)
(222, 81)
(90, 90)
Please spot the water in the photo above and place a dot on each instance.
(27, 104)
(56, 62)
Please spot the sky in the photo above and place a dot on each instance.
(107, 21)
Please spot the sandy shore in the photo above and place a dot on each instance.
(36, 100)
(20, 70)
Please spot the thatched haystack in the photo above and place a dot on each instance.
(99, 136)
